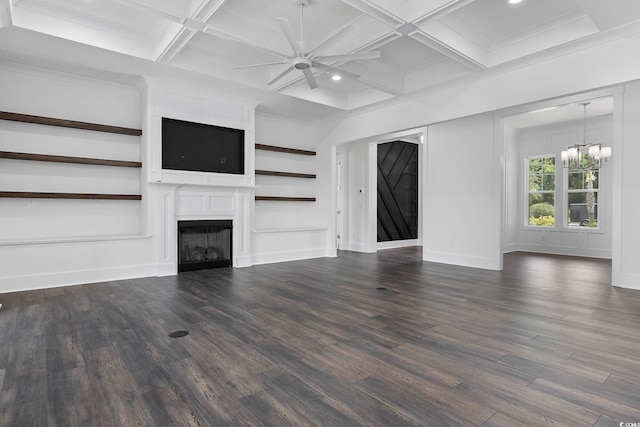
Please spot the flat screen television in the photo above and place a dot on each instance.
(198, 147)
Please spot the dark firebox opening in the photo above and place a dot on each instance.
(204, 244)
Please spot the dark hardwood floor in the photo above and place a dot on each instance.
(547, 341)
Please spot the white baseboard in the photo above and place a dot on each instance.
(270, 258)
(625, 280)
(462, 260)
(168, 269)
(398, 244)
(555, 250)
(243, 261)
(68, 278)
(361, 247)
(511, 247)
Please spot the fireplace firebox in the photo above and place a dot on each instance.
(204, 244)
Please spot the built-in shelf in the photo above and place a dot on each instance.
(77, 196)
(51, 121)
(67, 159)
(285, 174)
(286, 199)
(288, 174)
(285, 150)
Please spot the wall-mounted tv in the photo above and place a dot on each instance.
(198, 147)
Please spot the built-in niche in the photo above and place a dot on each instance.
(199, 147)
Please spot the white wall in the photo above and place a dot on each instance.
(463, 189)
(626, 203)
(511, 219)
(45, 242)
(361, 194)
(285, 231)
(552, 139)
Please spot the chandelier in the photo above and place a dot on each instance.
(585, 156)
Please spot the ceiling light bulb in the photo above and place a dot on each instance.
(514, 1)
(336, 77)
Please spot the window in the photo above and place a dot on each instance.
(541, 191)
(582, 195)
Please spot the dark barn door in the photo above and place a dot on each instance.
(397, 191)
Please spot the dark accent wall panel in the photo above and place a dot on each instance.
(397, 191)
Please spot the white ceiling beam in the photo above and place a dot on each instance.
(207, 9)
(452, 44)
(145, 7)
(174, 45)
(395, 8)
(516, 48)
(6, 13)
(226, 36)
(376, 11)
(422, 11)
(607, 16)
(169, 46)
(173, 40)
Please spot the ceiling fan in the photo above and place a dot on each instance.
(306, 60)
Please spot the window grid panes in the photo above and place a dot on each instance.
(541, 191)
(582, 196)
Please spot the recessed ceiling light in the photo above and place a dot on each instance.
(336, 77)
(515, 1)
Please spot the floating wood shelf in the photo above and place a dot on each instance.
(288, 174)
(285, 174)
(285, 150)
(78, 196)
(67, 159)
(286, 199)
(26, 118)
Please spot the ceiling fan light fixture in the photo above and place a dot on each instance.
(336, 77)
(301, 63)
(303, 59)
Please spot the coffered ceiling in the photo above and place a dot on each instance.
(422, 43)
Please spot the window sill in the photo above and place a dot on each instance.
(576, 229)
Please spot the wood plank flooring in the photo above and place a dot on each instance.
(547, 341)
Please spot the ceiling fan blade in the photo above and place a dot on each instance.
(291, 37)
(260, 65)
(350, 56)
(281, 75)
(308, 74)
(334, 70)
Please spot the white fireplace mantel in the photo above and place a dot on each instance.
(177, 202)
